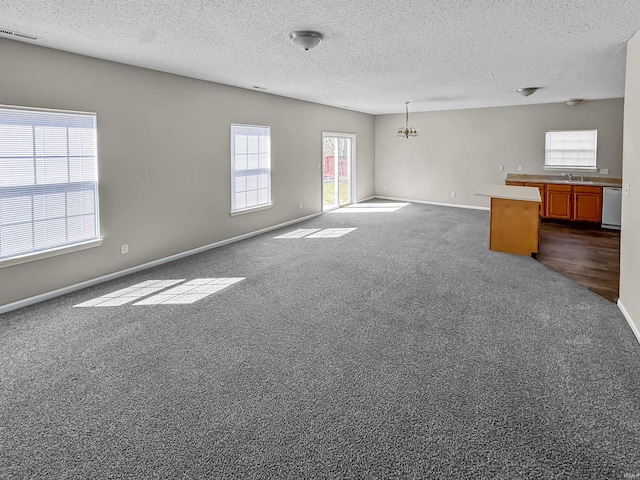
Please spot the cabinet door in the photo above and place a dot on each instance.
(587, 204)
(558, 202)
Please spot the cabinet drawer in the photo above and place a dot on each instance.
(515, 184)
(558, 188)
(587, 189)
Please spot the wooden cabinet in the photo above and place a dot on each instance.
(558, 201)
(587, 203)
(515, 218)
(514, 226)
(564, 201)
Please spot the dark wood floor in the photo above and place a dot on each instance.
(584, 253)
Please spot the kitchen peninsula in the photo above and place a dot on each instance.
(515, 218)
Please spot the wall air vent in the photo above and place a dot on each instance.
(10, 33)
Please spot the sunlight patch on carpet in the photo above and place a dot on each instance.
(190, 292)
(371, 208)
(331, 233)
(317, 233)
(129, 294)
(301, 232)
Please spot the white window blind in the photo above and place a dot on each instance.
(48, 180)
(571, 150)
(250, 167)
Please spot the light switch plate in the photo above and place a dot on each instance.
(604, 171)
(501, 168)
(519, 168)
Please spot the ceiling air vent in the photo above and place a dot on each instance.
(11, 33)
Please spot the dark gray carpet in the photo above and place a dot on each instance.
(404, 349)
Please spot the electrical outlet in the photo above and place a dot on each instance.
(501, 168)
(627, 189)
(519, 168)
(453, 194)
(299, 206)
(604, 171)
(384, 188)
(124, 248)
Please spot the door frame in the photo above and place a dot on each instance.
(352, 167)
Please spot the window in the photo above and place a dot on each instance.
(571, 150)
(250, 168)
(48, 180)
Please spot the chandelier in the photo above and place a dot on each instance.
(407, 132)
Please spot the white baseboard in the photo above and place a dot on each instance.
(112, 276)
(633, 326)
(455, 205)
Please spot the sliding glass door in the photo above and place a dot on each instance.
(338, 153)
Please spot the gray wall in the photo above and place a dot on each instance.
(164, 158)
(459, 150)
(630, 236)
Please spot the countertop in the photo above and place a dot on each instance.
(510, 192)
(576, 180)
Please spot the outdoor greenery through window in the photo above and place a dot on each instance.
(250, 167)
(571, 150)
(48, 180)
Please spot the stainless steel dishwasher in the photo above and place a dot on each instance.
(611, 207)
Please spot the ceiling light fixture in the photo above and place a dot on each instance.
(525, 92)
(573, 101)
(407, 132)
(306, 39)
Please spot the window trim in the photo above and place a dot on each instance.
(53, 252)
(233, 213)
(256, 208)
(593, 168)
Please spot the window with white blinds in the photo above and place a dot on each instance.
(48, 180)
(250, 167)
(571, 149)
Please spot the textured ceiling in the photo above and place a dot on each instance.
(377, 54)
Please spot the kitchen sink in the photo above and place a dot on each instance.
(575, 181)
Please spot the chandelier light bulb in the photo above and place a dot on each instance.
(407, 131)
